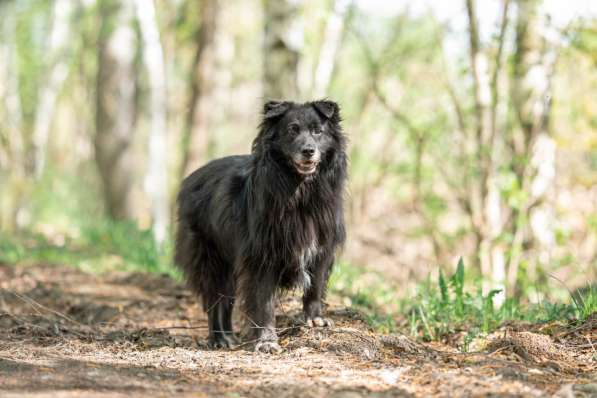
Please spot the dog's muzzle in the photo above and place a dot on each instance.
(306, 167)
(307, 161)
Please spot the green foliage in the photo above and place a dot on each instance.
(10, 252)
(70, 227)
(136, 247)
(585, 301)
(584, 39)
(448, 308)
(439, 310)
(443, 288)
(106, 246)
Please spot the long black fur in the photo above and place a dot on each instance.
(252, 225)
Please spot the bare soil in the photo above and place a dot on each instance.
(65, 333)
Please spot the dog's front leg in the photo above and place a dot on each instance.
(259, 305)
(313, 296)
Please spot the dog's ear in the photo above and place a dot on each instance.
(328, 109)
(273, 109)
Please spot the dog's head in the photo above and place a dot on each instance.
(305, 136)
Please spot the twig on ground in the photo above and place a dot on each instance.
(182, 327)
(34, 304)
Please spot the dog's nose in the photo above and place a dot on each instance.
(308, 152)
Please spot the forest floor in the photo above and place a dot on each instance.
(66, 333)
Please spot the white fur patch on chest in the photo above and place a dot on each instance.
(306, 257)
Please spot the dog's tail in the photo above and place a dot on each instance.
(187, 256)
(206, 273)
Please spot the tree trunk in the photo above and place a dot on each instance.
(57, 56)
(12, 143)
(157, 175)
(115, 114)
(283, 43)
(534, 65)
(487, 202)
(332, 39)
(195, 134)
(11, 117)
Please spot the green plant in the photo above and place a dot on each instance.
(447, 308)
(585, 302)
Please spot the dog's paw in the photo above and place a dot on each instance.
(220, 341)
(319, 321)
(268, 347)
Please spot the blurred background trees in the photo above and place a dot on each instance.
(116, 107)
(472, 125)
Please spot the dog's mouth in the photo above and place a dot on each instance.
(306, 167)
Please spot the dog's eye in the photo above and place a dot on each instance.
(293, 129)
(317, 130)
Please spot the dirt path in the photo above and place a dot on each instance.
(64, 333)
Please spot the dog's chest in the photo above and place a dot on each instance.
(299, 238)
(308, 254)
(306, 258)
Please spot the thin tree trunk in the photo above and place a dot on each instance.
(515, 252)
(332, 40)
(494, 205)
(115, 114)
(534, 65)
(283, 44)
(195, 134)
(157, 175)
(495, 77)
(12, 146)
(59, 45)
(12, 117)
(492, 253)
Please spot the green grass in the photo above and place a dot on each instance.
(451, 304)
(585, 302)
(447, 307)
(100, 247)
(70, 227)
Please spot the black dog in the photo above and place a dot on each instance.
(272, 220)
